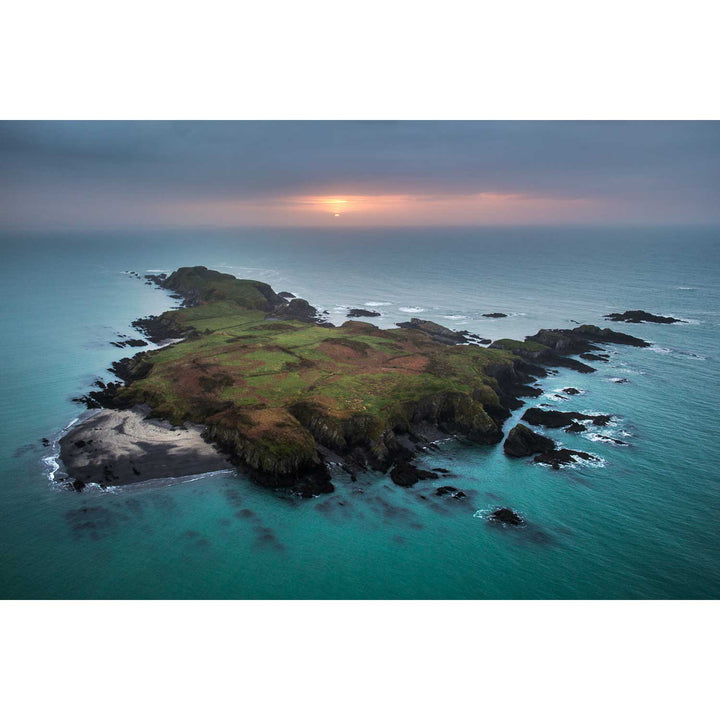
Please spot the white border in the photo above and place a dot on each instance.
(558, 59)
(359, 660)
(282, 60)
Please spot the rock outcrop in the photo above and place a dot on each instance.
(553, 347)
(640, 316)
(522, 442)
(559, 457)
(360, 312)
(505, 516)
(441, 334)
(558, 418)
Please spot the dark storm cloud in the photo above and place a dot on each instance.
(660, 170)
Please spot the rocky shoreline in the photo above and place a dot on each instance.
(295, 447)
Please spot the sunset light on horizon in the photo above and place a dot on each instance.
(356, 174)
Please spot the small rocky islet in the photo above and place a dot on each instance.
(280, 392)
(361, 312)
(641, 316)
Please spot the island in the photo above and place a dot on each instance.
(259, 380)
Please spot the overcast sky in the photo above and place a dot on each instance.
(166, 174)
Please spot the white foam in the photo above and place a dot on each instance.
(555, 396)
(566, 396)
(486, 513)
(376, 303)
(455, 317)
(171, 341)
(608, 439)
(52, 463)
(627, 369)
(411, 309)
(598, 462)
(670, 351)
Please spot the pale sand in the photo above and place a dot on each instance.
(117, 447)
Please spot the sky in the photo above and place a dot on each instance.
(115, 175)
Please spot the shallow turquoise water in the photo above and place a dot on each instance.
(642, 523)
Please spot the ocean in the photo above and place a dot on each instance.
(639, 522)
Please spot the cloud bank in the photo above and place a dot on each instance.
(189, 174)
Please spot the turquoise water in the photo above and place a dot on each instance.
(640, 523)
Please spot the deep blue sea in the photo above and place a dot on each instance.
(641, 522)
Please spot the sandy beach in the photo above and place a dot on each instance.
(119, 447)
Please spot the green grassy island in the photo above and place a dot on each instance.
(284, 394)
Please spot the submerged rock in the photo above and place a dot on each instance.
(613, 440)
(132, 342)
(575, 427)
(571, 391)
(522, 441)
(405, 474)
(451, 491)
(506, 516)
(317, 484)
(558, 457)
(494, 315)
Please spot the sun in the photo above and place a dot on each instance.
(335, 204)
